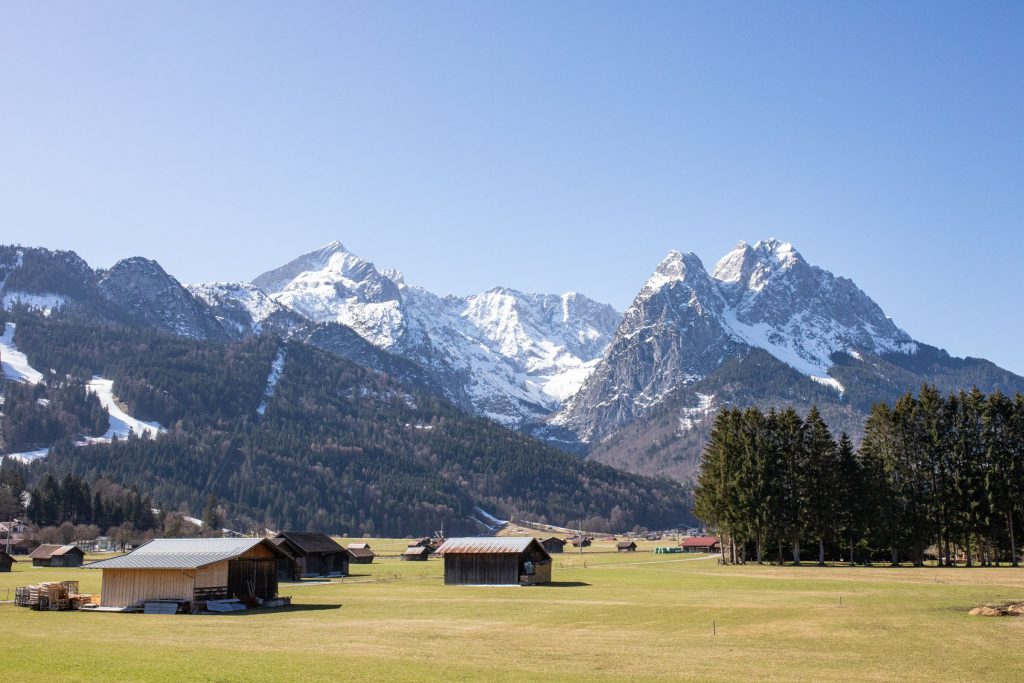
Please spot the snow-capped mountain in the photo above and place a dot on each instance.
(243, 309)
(684, 324)
(512, 356)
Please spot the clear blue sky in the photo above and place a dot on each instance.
(545, 146)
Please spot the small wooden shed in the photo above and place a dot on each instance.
(190, 570)
(317, 553)
(626, 547)
(701, 544)
(50, 555)
(581, 541)
(554, 544)
(416, 553)
(360, 553)
(5, 561)
(490, 560)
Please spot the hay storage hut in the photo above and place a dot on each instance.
(417, 553)
(190, 570)
(360, 553)
(287, 566)
(554, 545)
(495, 561)
(317, 553)
(5, 561)
(50, 555)
(626, 547)
(701, 544)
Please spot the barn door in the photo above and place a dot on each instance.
(252, 579)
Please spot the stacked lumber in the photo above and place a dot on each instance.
(52, 596)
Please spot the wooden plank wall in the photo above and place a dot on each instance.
(127, 587)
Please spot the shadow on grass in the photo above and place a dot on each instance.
(565, 584)
(280, 610)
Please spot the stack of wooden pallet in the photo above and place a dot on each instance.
(52, 595)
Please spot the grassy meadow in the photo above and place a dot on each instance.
(608, 617)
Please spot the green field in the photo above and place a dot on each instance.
(609, 617)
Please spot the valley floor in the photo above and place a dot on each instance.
(607, 617)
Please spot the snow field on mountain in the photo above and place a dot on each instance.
(121, 423)
(15, 364)
(276, 368)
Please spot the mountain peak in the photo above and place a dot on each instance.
(674, 267)
(750, 265)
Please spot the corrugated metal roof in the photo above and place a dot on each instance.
(486, 544)
(180, 553)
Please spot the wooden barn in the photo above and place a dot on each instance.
(554, 544)
(360, 553)
(626, 547)
(701, 544)
(19, 545)
(49, 555)
(191, 569)
(417, 553)
(317, 554)
(580, 541)
(5, 561)
(288, 565)
(490, 560)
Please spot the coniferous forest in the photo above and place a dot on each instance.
(936, 477)
(337, 448)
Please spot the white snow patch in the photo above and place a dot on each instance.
(276, 368)
(15, 364)
(829, 382)
(46, 303)
(691, 417)
(28, 456)
(121, 423)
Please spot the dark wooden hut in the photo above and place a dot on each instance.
(416, 553)
(489, 560)
(191, 570)
(5, 561)
(626, 546)
(50, 555)
(553, 544)
(287, 565)
(580, 541)
(360, 553)
(317, 554)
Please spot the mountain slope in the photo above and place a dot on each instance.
(765, 329)
(336, 447)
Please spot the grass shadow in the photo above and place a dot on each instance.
(565, 584)
(281, 610)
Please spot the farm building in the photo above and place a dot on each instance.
(416, 554)
(360, 553)
(317, 554)
(190, 569)
(701, 544)
(425, 542)
(625, 546)
(19, 545)
(553, 544)
(489, 560)
(5, 561)
(288, 565)
(580, 541)
(49, 555)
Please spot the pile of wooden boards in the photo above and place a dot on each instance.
(53, 596)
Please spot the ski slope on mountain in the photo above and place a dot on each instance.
(15, 364)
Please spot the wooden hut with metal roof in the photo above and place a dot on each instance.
(360, 553)
(554, 544)
(5, 560)
(51, 555)
(317, 553)
(500, 561)
(287, 566)
(191, 570)
(626, 547)
(416, 553)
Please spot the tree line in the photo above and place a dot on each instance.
(934, 475)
